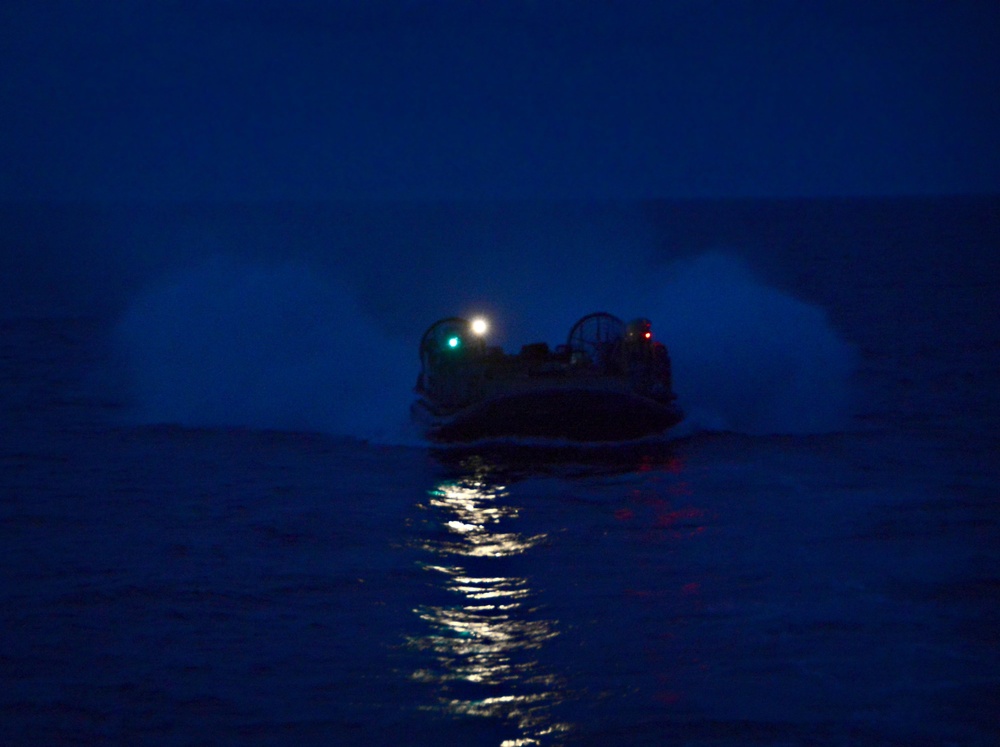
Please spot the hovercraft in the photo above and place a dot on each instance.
(610, 381)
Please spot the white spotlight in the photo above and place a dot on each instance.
(479, 326)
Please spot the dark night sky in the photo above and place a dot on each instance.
(429, 99)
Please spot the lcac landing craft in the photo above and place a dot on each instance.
(610, 382)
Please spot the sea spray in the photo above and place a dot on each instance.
(229, 342)
(748, 357)
(286, 345)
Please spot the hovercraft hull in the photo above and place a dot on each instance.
(580, 415)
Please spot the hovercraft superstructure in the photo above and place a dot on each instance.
(610, 381)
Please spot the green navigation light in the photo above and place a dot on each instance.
(454, 342)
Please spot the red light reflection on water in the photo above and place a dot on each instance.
(624, 514)
(673, 465)
(657, 520)
(662, 509)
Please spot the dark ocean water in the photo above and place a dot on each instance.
(196, 552)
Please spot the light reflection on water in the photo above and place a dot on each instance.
(484, 638)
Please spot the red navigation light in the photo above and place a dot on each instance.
(648, 335)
